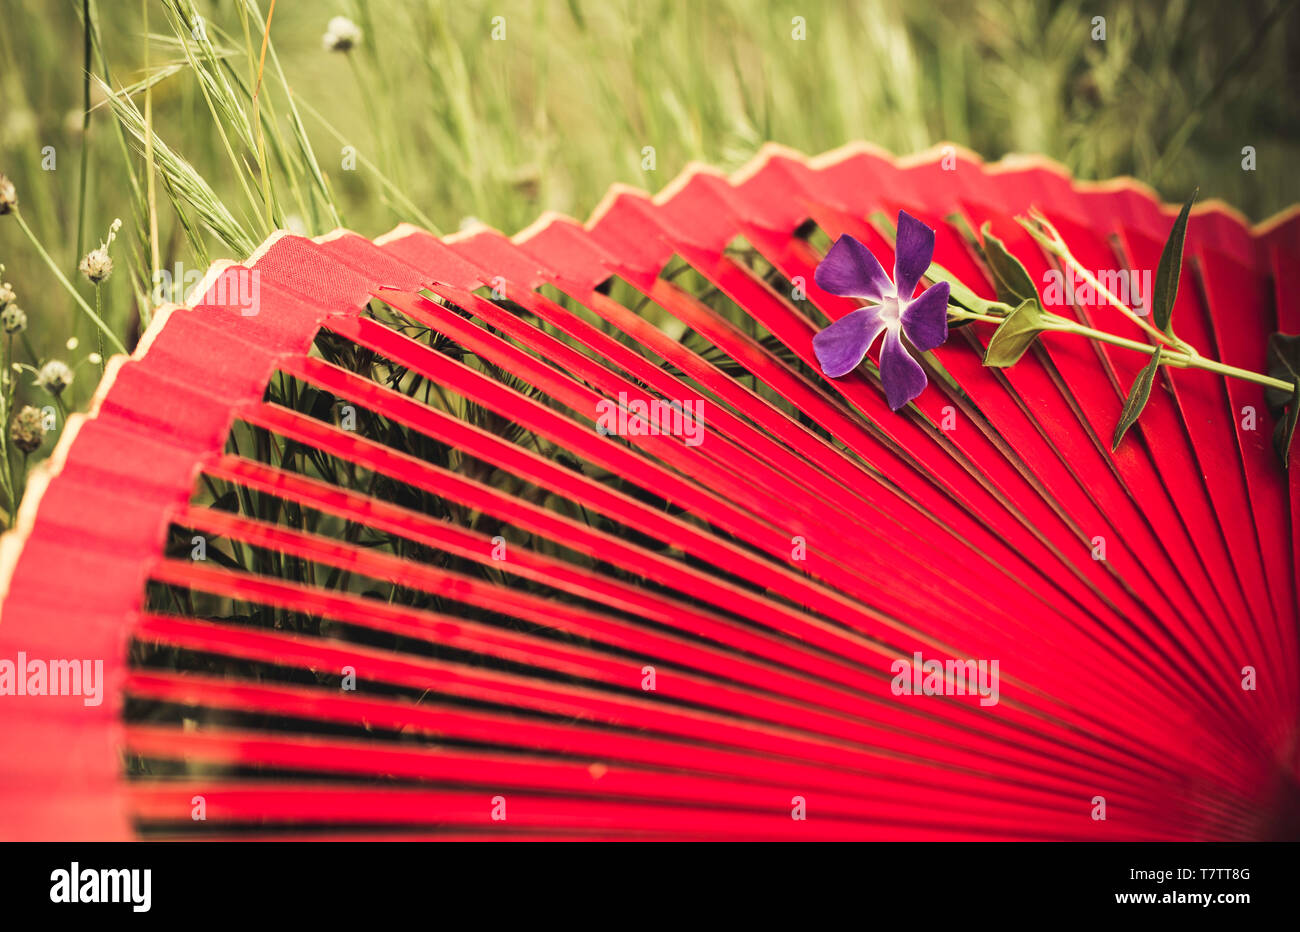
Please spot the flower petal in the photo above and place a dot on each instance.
(850, 269)
(913, 250)
(901, 375)
(925, 320)
(841, 346)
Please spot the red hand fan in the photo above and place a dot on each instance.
(565, 535)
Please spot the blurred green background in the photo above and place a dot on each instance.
(450, 123)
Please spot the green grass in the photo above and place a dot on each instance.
(450, 124)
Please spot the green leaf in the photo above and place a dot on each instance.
(227, 502)
(1015, 334)
(1169, 270)
(959, 294)
(1137, 398)
(1009, 275)
(1284, 432)
(1284, 363)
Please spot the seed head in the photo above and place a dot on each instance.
(7, 296)
(341, 35)
(28, 429)
(14, 319)
(54, 377)
(8, 195)
(97, 265)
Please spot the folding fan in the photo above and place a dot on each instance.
(360, 557)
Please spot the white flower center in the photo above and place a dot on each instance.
(891, 312)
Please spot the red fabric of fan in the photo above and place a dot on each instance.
(685, 634)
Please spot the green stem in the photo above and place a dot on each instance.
(957, 313)
(6, 409)
(112, 337)
(1052, 241)
(99, 311)
(1200, 362)
(387, 185)
(1180, 354)
(1179, 359)
(257, 124)
(1171, 357)
(85, 129)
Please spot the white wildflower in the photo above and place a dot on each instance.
(54, 377)
(96, 265)
(341, 35)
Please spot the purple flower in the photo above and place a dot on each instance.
(850, 269)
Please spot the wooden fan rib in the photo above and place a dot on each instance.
(1262, 535)
(1080, 372)
(794, 341)
(679, 652)
(1149, 237)
(716, 338)
(1084, 239)
(789, 493)
(801, 734)
(740, 461)
(303, 804)
(529, 649)
(1242, 342)
(496, 321)
(1076, 362)
(529, 773)
(575, 580)
(1042, 386)
(625, 673)
(433, 580)
(377, 344)
(805, 448)
(433, 628)
(369, 516)
(1073, 363)
(841, 677)
(1282, 242)
(977, 382)
(1177, 694)
(742, 511)
(453, 723)
(610, 456)
(891, 462)
(980, 508)
(476, 547)
(974, 446)
(1133, 208)
(1201, 401)
(587, 540)
(752, 306)
(779, 459)
(606, 746)
(1132, 464)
